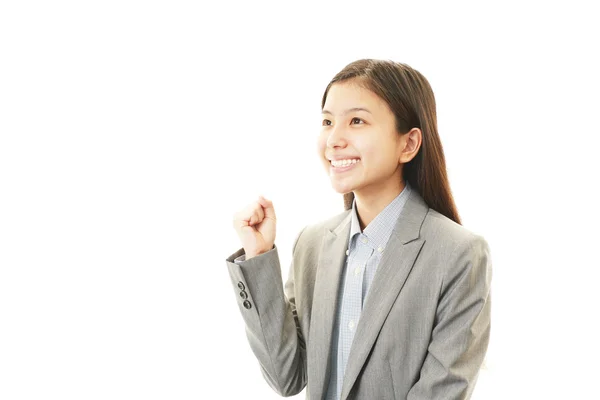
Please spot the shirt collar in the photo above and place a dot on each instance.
(380, 229)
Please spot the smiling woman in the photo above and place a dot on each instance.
(353, 132)
(404, 111)
(390, 298)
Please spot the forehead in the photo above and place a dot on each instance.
(349, 94)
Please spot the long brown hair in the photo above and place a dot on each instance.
(410, 97)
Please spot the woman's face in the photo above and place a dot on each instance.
(359, 126)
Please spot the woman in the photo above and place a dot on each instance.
(391, 298)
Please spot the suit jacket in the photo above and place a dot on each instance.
(424, 328)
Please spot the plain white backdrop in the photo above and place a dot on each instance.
(130, 133)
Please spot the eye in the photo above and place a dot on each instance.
(357, 119)
(326, 122)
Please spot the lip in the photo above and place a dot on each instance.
(339, 170)
(336, 158)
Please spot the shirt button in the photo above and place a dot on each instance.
(347, 252)
(380, 249)
(351, 325)
(356, 271)
(364, 240)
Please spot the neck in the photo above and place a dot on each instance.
(369, 203)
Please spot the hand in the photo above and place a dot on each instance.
(255, 226)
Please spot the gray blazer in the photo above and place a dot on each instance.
(425, 326)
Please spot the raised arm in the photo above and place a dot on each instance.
(269, 313)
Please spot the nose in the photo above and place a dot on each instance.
(336, 137)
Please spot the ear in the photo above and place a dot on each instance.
(411, 143)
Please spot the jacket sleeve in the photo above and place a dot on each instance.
(269, 313)
(461, 332)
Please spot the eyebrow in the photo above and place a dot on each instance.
(348, 111)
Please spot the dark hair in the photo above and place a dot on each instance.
(409, 96)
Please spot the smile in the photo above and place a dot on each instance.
(340, 166)
(343, 163)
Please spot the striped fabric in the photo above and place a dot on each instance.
(364, 253)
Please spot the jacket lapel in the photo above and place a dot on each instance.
(327, 283)
(396, 263)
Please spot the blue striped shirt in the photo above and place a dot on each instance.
(363, 256)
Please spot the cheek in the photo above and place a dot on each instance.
(366, 149)
(321, 145)
(377, 158)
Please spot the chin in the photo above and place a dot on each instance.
(341, 189)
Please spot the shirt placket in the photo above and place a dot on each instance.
(352, 303)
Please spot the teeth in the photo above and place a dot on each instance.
(343, 163)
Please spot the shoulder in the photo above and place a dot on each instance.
(459, 250)
(312, 234)
(442, 231)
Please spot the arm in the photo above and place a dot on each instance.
(462, 329)
(271, 324)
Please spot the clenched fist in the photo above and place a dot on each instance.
(255, 226)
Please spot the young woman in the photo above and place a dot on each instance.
(391, 298)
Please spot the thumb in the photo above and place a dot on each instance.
(268, 207)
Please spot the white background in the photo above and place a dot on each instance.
(130, 132)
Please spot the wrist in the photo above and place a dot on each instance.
(254, 253)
